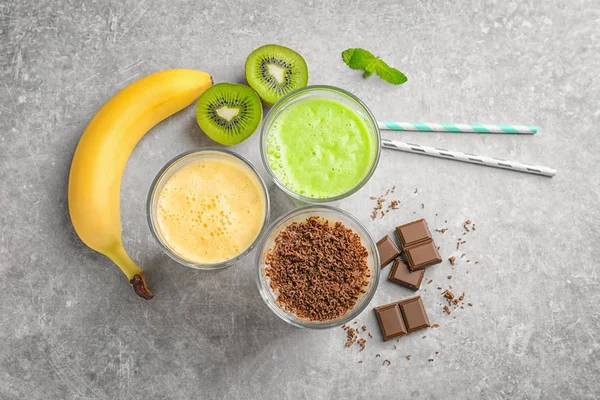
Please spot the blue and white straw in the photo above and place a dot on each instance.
(457, 128)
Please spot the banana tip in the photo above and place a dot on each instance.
(140, 288)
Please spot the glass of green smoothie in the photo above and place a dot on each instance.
(320, 144)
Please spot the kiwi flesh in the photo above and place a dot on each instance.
(229, 113)
(274, 71)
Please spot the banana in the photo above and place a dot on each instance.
(103, 151)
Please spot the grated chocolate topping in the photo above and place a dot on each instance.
(317, 268)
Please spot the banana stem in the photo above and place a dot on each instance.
(133, 273)
(140, 288)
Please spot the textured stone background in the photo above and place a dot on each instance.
(70, 325)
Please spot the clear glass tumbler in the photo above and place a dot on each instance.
(163, 176)
(332, 214)
(327, 92)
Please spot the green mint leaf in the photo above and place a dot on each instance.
(389, 74)
(347, 56)
(357, 58)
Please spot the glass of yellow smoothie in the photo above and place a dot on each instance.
(208, 208)
(320, 144)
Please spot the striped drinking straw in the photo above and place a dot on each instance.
(468, 157)
(457, 128)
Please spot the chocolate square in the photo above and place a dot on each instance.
(387, 250)
(414, 314)
(422, 255)
(413, 233)
(401, 275)
(390, 321)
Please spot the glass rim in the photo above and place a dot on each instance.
(282, 103)
(150, 208)
(264, 289)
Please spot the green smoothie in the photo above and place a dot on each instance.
(320, 148)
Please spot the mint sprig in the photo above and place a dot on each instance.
(365, 60)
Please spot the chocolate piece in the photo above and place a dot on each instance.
(387, 250)
(414, 314)
(422, 255)
(401, 275)
(413, 233)
(419, 248)
(390, 321)
(401, 317)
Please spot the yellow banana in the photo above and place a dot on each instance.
(103, 151)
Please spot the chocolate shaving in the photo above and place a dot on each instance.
(448, 295)
(378, 210)
(350, 336)
(362, 343)
(317, 268)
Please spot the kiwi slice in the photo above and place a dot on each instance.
(229, 113)
(274, 71)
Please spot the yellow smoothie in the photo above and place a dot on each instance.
(211, 209)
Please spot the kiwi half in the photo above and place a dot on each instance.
(274, 71)
(229, 113)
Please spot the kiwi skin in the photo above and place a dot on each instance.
(230, 95)
(301, 75)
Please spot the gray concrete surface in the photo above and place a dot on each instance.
(70, 325)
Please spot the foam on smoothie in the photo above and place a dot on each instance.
(320, 148)
(211, 209)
